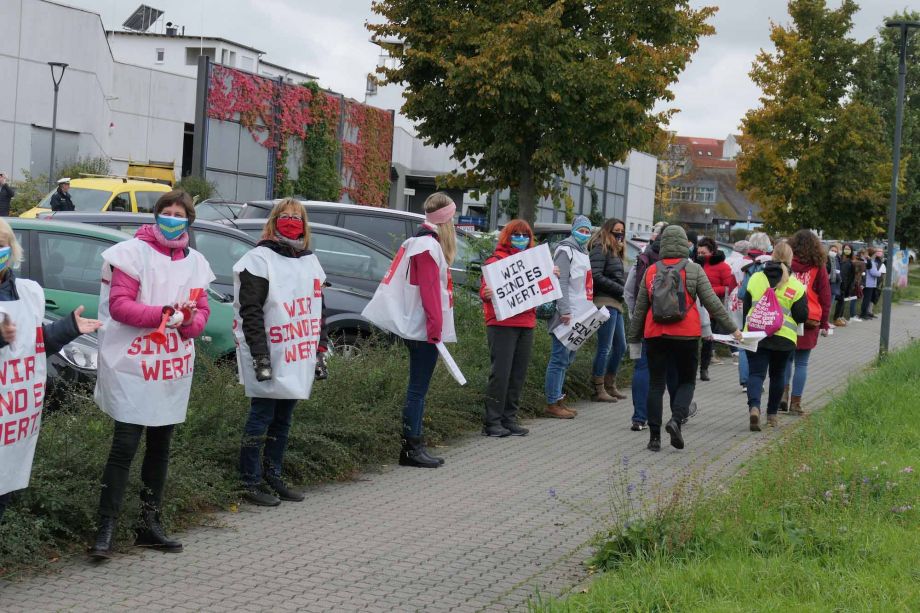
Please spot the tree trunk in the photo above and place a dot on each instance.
(527, 193)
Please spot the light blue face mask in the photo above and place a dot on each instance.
(6, 257)
(580, 238)
(172, 227)
(520, 241)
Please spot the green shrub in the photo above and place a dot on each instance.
(29, 192)
(197, 187)
(84, 166)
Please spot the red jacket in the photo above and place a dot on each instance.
(688, 327)
(720, 274)
(821, 286)
(527, 319)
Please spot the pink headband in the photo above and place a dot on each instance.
(442, 215)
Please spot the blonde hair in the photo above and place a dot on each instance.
(7, 236)
(782, 253)
(289, 206)
(447, 235)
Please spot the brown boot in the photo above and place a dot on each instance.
(773, 421)
(610, 383)
(784, 403)
(795, 406)
(840, 322)
(600, 392)
(556, 410)
(571, 410)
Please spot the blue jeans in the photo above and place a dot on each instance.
(611, 345)
(423, 356)
(762, 362)
(640, 385)
(743, 368)
(265, 438)
(800, 359)
(559, 361)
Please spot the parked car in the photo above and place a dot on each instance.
(95, 194)
(215, 209)
(66, 260)
(74, 365)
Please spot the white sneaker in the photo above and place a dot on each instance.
(855, 319)
(831, 326)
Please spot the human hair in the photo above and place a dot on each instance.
(807, 248)
(447, 235)
(515, 226)
(6, 233)
(605, 238)
(176, 196)
(705, 241)
(760, 241)
(782, 253)
(288, 206)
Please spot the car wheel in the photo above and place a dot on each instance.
(346, 345)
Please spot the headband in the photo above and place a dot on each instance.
(442, 215)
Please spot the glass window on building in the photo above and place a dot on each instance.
(705, 194)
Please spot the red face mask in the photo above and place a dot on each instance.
(290, 228)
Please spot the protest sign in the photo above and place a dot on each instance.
(522, 281)
(451, 364)
(749, 340)
(901, 264)
(581, 328)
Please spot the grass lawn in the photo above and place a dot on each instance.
(828, 519)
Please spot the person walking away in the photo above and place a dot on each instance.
(737, 260)
(759, 254)
(510, 343)
(859, 275)
(25, 338)
(280, 271)
(723, 282)
(147, 280)
(667, 317)
(607, 251)
(833, 275)
(808, 266)
(415, 301)
(772, 289)
(875, 270)
(7, 193)
(847, 284)
(60, 199)
(577, 284)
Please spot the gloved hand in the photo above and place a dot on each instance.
(263, 366)
(321, 373)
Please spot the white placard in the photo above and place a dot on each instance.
(749, 340)
(580, 329)
(522, 281)
(451, 364)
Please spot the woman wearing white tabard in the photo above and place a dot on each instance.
(278, 299)
(24, 344)
(415, 301)
(141, 384)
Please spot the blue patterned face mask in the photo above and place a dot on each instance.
(580, 238)
(6, 257)
(520, 241)
(172, 227)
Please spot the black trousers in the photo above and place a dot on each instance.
(868, 300)
(509, 349)
(126, 439)
(665, 353)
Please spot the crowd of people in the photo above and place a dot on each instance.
(681, 291)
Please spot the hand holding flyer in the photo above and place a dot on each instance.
(749, 340)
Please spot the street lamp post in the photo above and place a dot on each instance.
(56, 79)
(904, 27)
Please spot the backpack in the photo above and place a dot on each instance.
(814, 305)
(766, 315)
(669, 293)
(753, 268)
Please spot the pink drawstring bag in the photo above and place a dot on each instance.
(766, 315)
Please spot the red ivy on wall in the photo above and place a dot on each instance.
(274, 112)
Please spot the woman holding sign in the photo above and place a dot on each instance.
(415, 301)
(153, 304)
(279, 330)
(24, 343)
(608, 250)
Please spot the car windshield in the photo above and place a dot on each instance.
(84, 199)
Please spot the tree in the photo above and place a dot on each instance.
(813, 156)
(522, 89)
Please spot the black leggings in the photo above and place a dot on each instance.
(663, 354)
(125, 442)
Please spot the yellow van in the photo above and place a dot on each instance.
(94, 194)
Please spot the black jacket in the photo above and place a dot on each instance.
(254, 292)
(799, 310)
(7, 194)
(61, 202)
(847, 277)
(645, 259)
(607, 273)
(56, 334)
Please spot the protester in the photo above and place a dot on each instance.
(607, 251)
(774, 351)
(60, 199)
(7, 193)
(758, 253)
(415, 301)
(144, 385)
(847, 285)
(875, 269)
(834, 277)
(22, 309)
(667, 317)
(576, 282)
(859, 276)
(711, 258)
(808, 266)
(279, 271)
(737, 260)
(510, 343)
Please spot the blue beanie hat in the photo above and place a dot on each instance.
(581, 222)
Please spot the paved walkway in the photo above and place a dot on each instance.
(481, 533)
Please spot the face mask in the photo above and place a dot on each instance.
(834, 253)
(290, 228)
(847, 252)
(6, 257)
(580, 238)
(520, 241)
(619, 236)
(172, 227)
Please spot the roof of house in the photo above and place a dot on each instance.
(185, 37)
(731, 202)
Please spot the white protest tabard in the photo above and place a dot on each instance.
(749, 340)
(581, 328)
(451, 364)
(522, 281)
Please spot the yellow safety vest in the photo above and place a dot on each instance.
(786, 295)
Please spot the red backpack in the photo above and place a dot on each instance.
(814, 305)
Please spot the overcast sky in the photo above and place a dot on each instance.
(327, 38)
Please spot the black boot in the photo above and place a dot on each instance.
(414, 454)
(283, 491)
(677, 439)
(150, 532)
(434, 458)
(105, 539)
(704, 374)
(654, 438)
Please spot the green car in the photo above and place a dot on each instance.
(66, 260)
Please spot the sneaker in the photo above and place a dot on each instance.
(638, 426)
(855, 319)
(677, 439)
(743, 388)
(496, 431)
(516, 429)
(754, 418)
(831, 326)
(261, 496)
(717, 361)
(283, 491)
